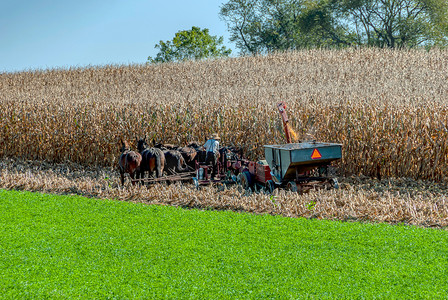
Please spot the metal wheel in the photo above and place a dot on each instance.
(292, 186)
(270, 186)
(244, 180)
(258, 188)
(234, 178)
(335, 183)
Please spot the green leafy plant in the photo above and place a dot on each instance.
(75, 247)
(311, 205)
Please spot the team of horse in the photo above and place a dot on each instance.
(159, 158)
(165, 158)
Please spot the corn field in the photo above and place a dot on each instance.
(388, 108)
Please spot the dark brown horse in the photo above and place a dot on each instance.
(200, 151)
(164, 146)
(190, 156)
(153, 159)
(129, 162)
(195, 145)
(174, 162)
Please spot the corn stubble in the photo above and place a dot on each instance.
(358, 199)
(388, 109)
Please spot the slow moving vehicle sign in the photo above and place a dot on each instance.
(316, 154)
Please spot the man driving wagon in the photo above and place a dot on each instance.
(212, 153)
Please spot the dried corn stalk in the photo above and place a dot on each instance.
(388, 108)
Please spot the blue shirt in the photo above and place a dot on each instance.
(211, 145)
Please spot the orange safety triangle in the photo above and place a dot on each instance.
(316, 154)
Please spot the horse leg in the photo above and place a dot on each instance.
(132, 174)
(160, 164)
(122, 177)
(159, 172)
(152, 166)
(137, 175)
(141, 175)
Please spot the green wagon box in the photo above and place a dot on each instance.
(287, 162)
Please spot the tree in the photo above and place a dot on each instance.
(258, 26)
(262, 26)
(272, 25)
(191, 44)
(324, 27)
(397, 23)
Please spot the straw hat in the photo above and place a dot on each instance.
(215, 136)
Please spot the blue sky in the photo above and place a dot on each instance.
(50, 34)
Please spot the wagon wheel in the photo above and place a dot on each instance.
(244, 180)
(234, 178)
(292, 186)
(270, 186)
(335, 183)
(258, 188)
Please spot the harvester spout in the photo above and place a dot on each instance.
(282, 110)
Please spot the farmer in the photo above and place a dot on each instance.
(212, 150)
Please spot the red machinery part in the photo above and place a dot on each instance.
(263, 172)
(282, 110)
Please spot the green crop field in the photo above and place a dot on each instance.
(75, 247)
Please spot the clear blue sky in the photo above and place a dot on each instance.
(45, 34)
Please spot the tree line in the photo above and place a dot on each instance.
(264, 26)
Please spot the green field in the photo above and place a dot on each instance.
(75, 247)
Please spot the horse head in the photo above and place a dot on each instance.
(194, 145)
(124, 146)
(142, 144)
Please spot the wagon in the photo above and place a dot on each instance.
(297, 167)
(294, 166)
(291, 165)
